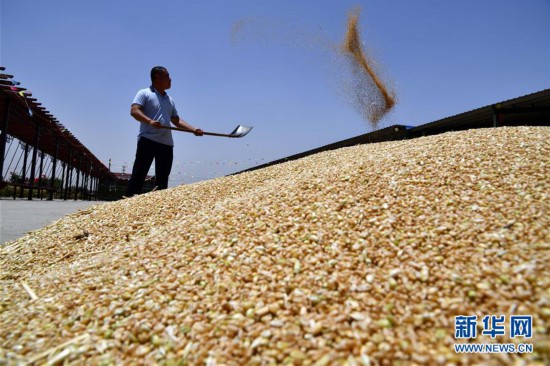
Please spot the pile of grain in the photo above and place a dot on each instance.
(357, 256)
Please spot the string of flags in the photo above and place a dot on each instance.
(29, 110)
(219, 162)
(13, 84)
(196, 170)
(199, 163)
(23, 95)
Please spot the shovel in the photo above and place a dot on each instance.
(239, 131)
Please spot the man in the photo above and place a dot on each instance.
(154, 108)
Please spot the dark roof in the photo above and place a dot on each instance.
(531, 109)
(528, 110)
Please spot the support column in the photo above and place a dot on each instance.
(24, 171)
(86, 181)
(78, 178)
(52, 179)
(84, 192)
(33, 163)
(96, 188)
(90, 181)
(68, 177)
(41, 170)
(4, 136)
(62, 188)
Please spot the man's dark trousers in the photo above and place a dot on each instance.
(147, 150)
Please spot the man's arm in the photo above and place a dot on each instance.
(178, 122)
(138, 114)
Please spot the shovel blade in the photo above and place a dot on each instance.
(240, 131)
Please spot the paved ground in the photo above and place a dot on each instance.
(18, 217)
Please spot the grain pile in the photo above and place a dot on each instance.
(359, 256)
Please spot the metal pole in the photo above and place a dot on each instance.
(87, 180)
(4, 136)
(24, 173)
(96, 188)
(68, 177)
(77, 188)
(90, 182)
(61, 189)
(84, 193)
(52, 180)
(40, 182)
(33, 163)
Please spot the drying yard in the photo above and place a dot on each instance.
(357, 256)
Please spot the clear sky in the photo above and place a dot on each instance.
(85, 61)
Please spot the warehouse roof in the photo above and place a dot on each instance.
(528, 110)
(531, 109)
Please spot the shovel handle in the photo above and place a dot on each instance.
(185, 130)
(207, 133)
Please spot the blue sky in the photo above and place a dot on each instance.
(85, 61)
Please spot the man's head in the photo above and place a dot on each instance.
(160, 78)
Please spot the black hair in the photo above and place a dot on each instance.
(156, 71)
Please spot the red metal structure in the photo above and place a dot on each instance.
(25, 119)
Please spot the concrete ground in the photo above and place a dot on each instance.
(18, 217)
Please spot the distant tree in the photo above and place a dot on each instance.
(57, 183)
(15, 178)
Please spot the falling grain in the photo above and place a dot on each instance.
(371, 95)
(359, 82)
